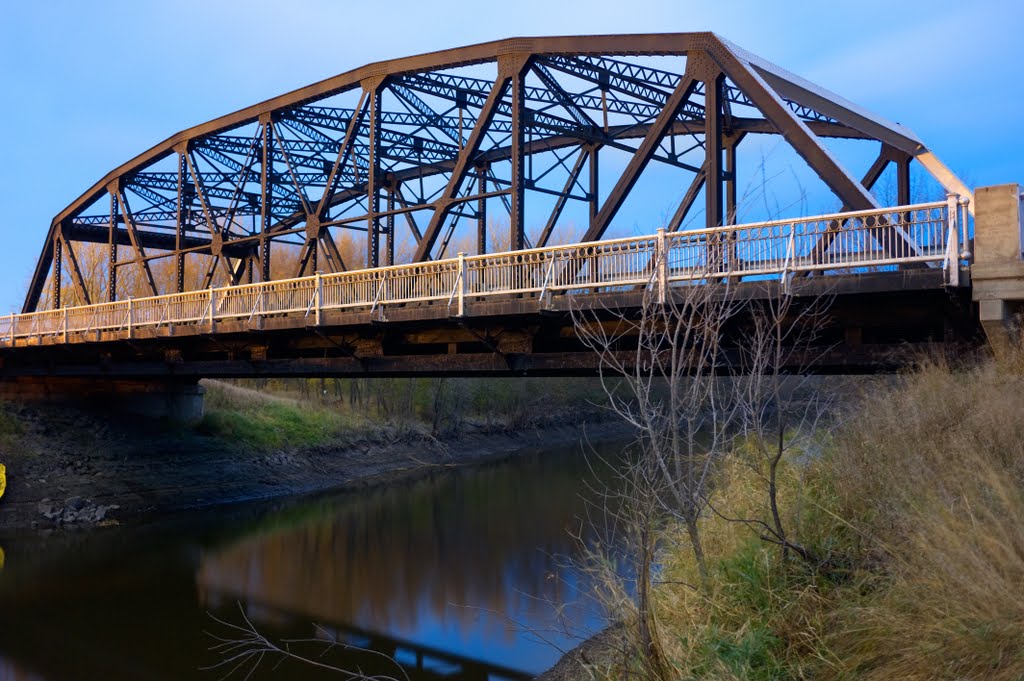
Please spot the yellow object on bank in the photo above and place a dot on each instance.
(3, 479)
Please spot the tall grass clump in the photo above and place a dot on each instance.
(913, 506)
(930, 473)
(762, 616)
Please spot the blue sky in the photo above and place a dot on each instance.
(86, 86)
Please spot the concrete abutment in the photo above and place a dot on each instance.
(997, 274)
(179, 400)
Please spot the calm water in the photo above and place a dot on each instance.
(461, 571)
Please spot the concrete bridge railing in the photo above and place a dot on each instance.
(929, 234)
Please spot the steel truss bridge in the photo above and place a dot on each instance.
(267, 241)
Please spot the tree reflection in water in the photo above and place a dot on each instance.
(451, 561)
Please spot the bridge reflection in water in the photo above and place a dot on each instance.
(371, 652)
(447, 572)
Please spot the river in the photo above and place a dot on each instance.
(458, 574)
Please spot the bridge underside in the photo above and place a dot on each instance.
(876, 322)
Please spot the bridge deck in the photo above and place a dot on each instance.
(895, 274)
(836, 245)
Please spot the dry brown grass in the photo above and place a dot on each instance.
(918, 506)
(931, 475)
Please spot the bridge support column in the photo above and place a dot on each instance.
(177, 400)
(997, 274)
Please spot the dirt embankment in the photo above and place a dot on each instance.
(74, 469)
(594, 658)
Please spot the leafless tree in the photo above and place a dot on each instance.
(781, 403)
(660, 364)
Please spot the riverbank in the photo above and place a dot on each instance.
(903, 555)
(70, 467)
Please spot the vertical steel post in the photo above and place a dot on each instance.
(266, 196)
(713, 150)
(730, 182)
(481, 210)
(112, 254)
(64, 323)
(389, 256)
(594, 167)
(730, 198)
(129, 316)
(58, 269)
(713, 179)
(903, 180)
(373, 181)
(902, 163)
(517, 221)
(179, 233)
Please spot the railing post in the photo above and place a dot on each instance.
(661, 245)
(318, 295)
(953, 239)
(129, 317)
(965, 254)
(790, 257)
(213, 300)
(549, 259)
(461, 283)
(65, 324)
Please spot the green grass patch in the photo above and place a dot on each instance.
(254, 420)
